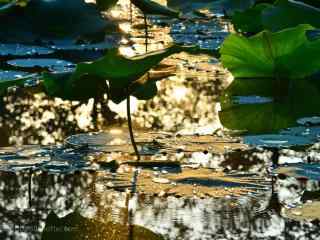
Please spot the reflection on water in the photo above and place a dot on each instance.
(79, 205)
(185, 187)
(186, 102)
(40, 200)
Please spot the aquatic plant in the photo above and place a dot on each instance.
(274, 17)
(262, 105)
(272, 55)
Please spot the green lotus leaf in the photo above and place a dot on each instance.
(86, 87)
(284, 54)
(275, 17)
(285, 101)
(249, 21)
(121, 72)
(285, 14)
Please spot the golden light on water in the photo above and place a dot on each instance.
(179, 93)
(125, 27)
(185, 101)
(121, 108)
(116, 131)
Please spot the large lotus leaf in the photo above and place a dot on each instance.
(291, 100)
(281, 15)
(287, 13)
(120, 71)
(249, 21)
(152, 7)
(13, 78)
(144, 88)
(86, 87)
(287, 53)
(44, 21)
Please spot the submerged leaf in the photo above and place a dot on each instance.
(272, 55)
(291, 100)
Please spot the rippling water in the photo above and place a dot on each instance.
(187, 186)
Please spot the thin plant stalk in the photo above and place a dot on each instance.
(130, 128)
(30, 187)
(146, 31)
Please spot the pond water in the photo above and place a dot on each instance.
(67, 168)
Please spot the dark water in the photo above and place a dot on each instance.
(186, 187)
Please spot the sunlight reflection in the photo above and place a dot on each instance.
(180, 93)
(121, 108)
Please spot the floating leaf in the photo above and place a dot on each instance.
(276, 140)
(52, 64)
(300, 171)
(23, 50)
(48, 21)
(286, 53)
(305, 213)
(13, 78)
(292, 100)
